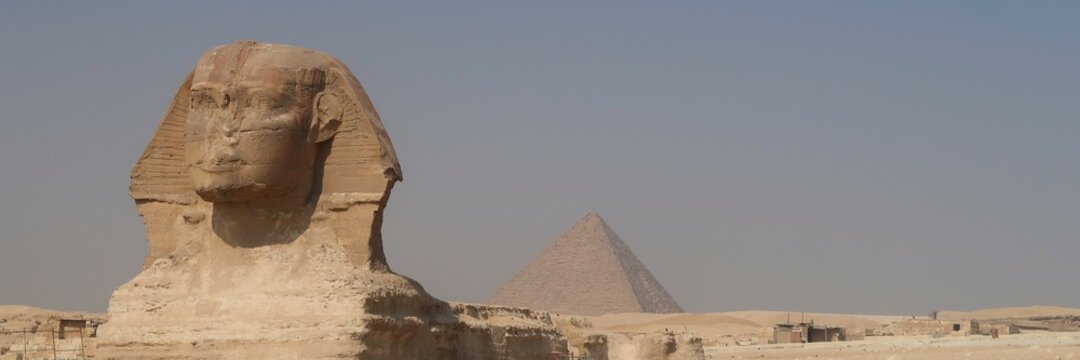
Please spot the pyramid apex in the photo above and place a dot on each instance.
(591, 220)
(592, 215)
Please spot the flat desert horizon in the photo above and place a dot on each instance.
(744, 334)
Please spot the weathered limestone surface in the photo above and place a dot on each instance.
(588, 342)
(587, 271)
(262, 192)
(669, 346)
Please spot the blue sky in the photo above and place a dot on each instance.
(844, 156)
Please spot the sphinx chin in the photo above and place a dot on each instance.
(216, 192)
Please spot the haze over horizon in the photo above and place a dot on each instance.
(832, 156)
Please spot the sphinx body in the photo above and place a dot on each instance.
(262, 192)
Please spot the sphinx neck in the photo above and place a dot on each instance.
(260, 223)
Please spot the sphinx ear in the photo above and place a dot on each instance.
(327, 110)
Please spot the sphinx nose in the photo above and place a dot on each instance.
(223, 146)
(231, 137)
(228, 129)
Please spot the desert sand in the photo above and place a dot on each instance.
(1009, 313)
(1041, 345)
(745, 334)
(742, 334)
(731, 323)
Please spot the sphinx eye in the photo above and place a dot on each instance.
(202, 100)
(258, 99)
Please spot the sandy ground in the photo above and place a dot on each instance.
(1009, 313)
(745, 334)
(730, 327)
(15, 318)
(1043, 345)
(722, 334)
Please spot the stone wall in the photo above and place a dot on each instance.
(931, 327)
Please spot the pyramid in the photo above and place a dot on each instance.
(587, 271)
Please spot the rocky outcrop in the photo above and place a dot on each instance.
(669, 346)
(587, 342)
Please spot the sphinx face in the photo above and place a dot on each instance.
(247, 133)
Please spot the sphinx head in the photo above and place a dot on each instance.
(257, 115)
(273, 136)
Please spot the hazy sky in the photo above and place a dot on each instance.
(843, 156)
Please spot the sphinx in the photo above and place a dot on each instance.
(262, 192)
(267, 127)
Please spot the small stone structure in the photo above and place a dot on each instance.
(668, 345)
(661, 345)
(806, 333)
(586, 342)
(262, 192)
(932, 327)
(58, 339)
(999, 328)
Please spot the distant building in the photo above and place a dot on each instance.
(915, 327)
(59, 339)
(1000, 328)
(807, 333)
(66, 328)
